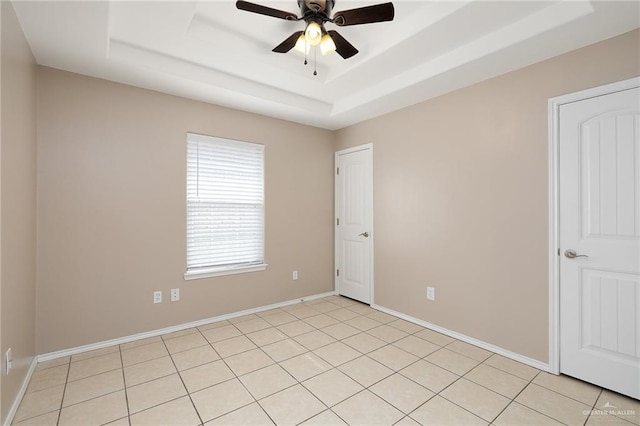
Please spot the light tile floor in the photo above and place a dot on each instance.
(330, 361)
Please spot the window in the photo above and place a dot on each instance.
(225, 207)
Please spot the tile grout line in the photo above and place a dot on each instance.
(297, 382)
(124, 382)
(567, 396)
(513, 401)
(64, 384)
(336, 367)
(167, 375)
(64, 390)
(83, 378)
(179, 375)
(181, 380)
(446, 399)
(482, 385)
(236, 377)
(531, 408)
(593, 407)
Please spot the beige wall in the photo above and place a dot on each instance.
(461, 198)
(18, 203)
(111, 213)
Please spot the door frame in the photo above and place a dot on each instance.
(554, 105)
(368, 146)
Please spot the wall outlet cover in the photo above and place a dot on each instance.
(175, 294)
(157, 297)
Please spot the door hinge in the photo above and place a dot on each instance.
(337, 170)
(338, 272)
(558, 251)
(338, 221)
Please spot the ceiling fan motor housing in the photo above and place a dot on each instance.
(311, 10)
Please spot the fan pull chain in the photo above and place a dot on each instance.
(315, 61)
(305, 51)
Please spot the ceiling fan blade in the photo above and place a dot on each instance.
(289, 43)
(365, 15)
(264, 10)
(343, 47)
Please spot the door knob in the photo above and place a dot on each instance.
(364, 234)
(571, 254)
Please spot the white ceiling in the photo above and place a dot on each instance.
(210, 51)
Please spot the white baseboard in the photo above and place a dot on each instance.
(99, 345)
(23, 389)
(471, 340)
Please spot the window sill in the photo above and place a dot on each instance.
(218, 272)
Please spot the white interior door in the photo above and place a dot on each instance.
(354, 222)
(599, 241)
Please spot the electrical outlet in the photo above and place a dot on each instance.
(295, 275)
(175, 294)
(431, 293)
(8, 360)
(157, 297)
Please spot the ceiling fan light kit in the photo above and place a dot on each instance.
(327, 45)
(301, 45)
(313, 33)
(315, 13)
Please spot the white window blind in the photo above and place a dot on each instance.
(225, 204)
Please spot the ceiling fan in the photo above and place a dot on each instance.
(316, 13)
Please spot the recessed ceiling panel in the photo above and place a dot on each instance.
(213, 52)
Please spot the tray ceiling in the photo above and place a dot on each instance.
(212, 52)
